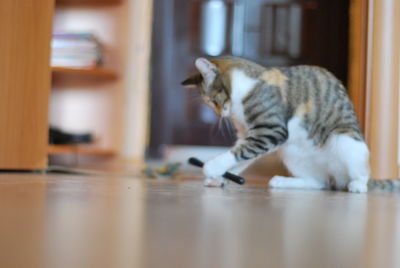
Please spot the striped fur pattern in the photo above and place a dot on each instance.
(302, 111)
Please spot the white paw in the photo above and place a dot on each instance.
(358, 187)
(216, 167)
(278, 182)
(212, 169)
(210, 182)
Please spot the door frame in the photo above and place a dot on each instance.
(358, 44)
(374, 79)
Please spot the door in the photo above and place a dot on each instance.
(25, 27)
(270, 32)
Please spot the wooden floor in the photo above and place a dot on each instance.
(81, 221)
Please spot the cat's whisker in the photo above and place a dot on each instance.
(221, 124)
(228, 126)
(194, 98)
(212, 130)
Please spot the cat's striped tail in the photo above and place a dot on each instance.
(385, 185)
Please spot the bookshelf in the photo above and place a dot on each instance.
(85, 79)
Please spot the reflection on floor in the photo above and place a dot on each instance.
(105, 221)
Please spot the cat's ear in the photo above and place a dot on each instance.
(193, 81)
(208, 69)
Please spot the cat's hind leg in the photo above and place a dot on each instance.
(354, 155)
(296, 183)
(307, 174)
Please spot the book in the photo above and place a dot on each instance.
(79, 50)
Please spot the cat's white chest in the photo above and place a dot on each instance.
(241, 85)
(237, 115)
(239, 122)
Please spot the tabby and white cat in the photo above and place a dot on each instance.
(302, 111)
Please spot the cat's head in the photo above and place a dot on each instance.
(213, 86)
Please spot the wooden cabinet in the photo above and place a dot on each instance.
(25, 27)
(25, 83)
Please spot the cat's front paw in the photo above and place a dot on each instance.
(213, 169)
(211, 182)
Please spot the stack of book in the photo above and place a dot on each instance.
(75, 50)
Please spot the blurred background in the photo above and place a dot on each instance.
(94, 37)
(115, 97)
(272, 33)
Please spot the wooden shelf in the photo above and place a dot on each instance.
(67, 78)
(87, 2)
(79, 149)
(94, 72)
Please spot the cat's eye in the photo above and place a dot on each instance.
(215, 103)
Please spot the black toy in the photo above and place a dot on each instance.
(239, 180)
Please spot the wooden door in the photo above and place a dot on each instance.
(270, 32)
(25, 27)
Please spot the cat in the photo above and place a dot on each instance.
(303, 112)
